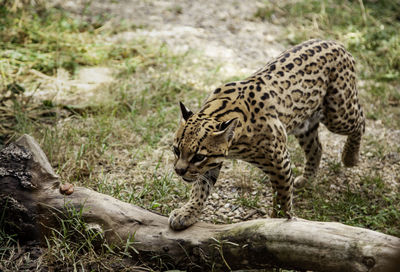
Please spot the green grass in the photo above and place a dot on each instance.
(31, 40)
(158, 192)
(7, 240)
(74, 241)
(368, 30)
(250, 201)
(370, 205)
(76, 245)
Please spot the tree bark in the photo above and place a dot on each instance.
(29, 195)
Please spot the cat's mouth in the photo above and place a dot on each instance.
(188, 180)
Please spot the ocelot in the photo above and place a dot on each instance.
(310, 83)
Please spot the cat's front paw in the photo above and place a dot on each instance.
(181, 219)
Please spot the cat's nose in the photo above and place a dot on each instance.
(180, 171)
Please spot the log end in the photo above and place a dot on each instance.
(39, 165)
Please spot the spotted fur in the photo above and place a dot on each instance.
(310, 83)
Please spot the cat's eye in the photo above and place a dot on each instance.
(197, 158)
(176, 151)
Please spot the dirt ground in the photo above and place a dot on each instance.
(224, 31)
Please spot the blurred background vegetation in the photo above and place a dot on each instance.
(115, 137)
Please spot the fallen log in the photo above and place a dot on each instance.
(30, 193)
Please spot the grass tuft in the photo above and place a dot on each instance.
(77, 245)
(368, 204)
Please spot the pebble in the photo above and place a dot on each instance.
(392, 157)
(333, 187)
(215, 196)
(263, 210)
(223, 210)
(224, 217)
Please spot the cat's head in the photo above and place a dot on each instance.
(201, 143)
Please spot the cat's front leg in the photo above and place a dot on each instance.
(278, 168)
(274, 160)
(282, 183)
(188, 214)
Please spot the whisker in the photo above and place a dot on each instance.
(204, 178)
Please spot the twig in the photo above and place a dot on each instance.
(253, 212)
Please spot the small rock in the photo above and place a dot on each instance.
(215, 196)
(333, 187)
(262, 210)
(227, 205)
(393, 157)
(222, 210)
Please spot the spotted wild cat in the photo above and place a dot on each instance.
(310, 83)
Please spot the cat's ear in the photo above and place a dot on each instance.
(227, 129)
(186, 113)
